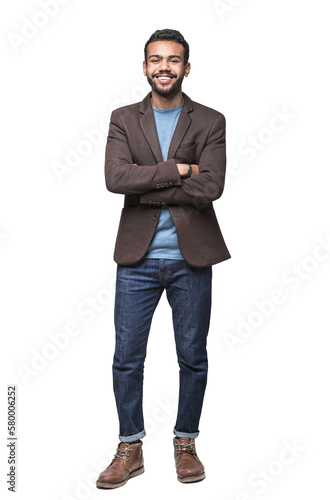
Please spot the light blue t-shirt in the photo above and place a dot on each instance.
(164, 244)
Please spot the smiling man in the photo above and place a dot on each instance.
(167, 155)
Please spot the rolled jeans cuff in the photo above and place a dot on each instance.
(134, 437)
(190, 435)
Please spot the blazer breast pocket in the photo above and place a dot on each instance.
(187, 153)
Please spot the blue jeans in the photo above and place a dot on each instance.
(138, 290)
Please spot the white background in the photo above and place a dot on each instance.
(268, 380)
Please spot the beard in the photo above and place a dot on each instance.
(173, 88)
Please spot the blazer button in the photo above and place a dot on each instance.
(154, 202)
(157, 186)
(166, 184)
(170, 183)
(149, 202)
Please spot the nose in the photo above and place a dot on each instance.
(164, 65)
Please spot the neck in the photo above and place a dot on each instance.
(168, 102)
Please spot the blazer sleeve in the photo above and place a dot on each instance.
(122, 175)
(208, 184)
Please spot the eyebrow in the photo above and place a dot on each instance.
(169, 57)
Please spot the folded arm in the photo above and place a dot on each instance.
(125, 177)
(208, 184)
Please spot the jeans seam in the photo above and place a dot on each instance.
(155, 305)
(164, 274)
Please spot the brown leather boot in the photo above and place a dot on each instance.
(188, 466)
(127, 463)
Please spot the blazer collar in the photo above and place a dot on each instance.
(149, 129)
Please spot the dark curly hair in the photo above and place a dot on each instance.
(169, 35)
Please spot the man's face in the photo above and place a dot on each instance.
(164, 67)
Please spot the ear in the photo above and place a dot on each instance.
(187, 69)
(144, 68)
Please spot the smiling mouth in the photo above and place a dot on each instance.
(164, 78)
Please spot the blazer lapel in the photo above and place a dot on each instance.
(181, 127)
(148, 126)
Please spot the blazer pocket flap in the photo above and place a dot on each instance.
(186, 153)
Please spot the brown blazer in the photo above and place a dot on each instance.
(199, 138)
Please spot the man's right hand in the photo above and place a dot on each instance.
(184, 167)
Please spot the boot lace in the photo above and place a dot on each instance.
(185, 448)
(122, 454)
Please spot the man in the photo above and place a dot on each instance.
(167, 155)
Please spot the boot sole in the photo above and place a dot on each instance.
(135, 473)
(192, 479)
